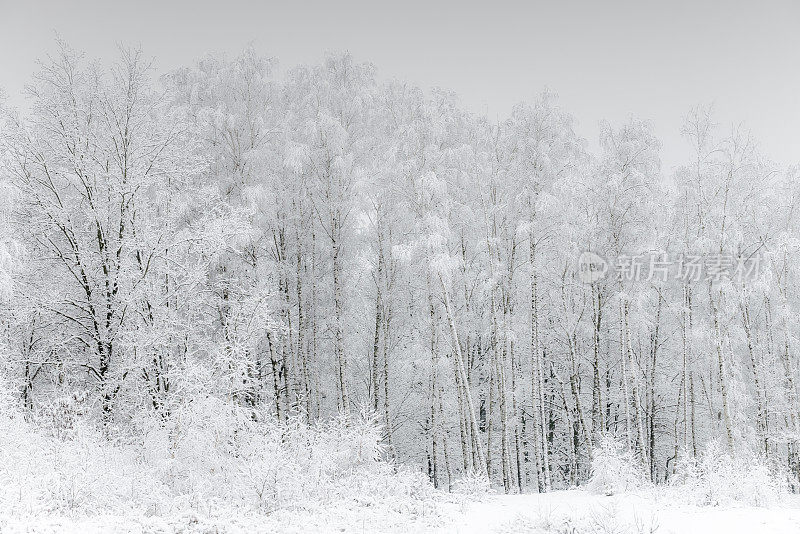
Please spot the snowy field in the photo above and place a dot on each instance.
(567, 512)
(578, 511)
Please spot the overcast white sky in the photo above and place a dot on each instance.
(605, 59)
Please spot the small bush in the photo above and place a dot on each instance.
(719, 478)
(473, 484)
(614, 469)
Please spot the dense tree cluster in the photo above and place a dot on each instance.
(323, 243)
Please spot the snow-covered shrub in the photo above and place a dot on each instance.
(472, 483)
(60, 417)
(219, 451)
(208, 455)
(614, 469)
(45, 470)
(719, 478)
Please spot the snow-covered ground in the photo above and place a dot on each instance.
(581, 512)
(562, 512)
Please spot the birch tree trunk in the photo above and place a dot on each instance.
(723, 383)
(541, 451)
(478, 456)
(338, 304)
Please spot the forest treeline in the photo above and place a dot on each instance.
(324, 243)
